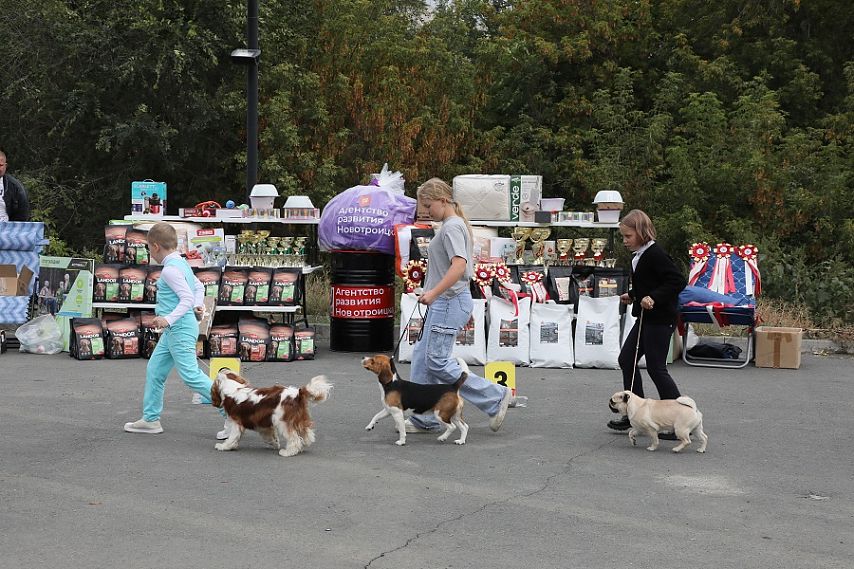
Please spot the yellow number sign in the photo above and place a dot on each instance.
(502, 373)
(218, 363)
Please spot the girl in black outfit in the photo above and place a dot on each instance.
(656, 284)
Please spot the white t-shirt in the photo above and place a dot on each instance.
(4, 215)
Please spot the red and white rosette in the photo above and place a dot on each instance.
(413, 274)
(722, 280)
(752, 278)
(699, 253)
(534, 280)
(505, 282)
(484, 273)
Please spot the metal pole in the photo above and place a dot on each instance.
(252, 100)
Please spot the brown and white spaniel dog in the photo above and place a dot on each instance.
(400, 395)
(278, 413)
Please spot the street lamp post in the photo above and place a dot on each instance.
(249, 57)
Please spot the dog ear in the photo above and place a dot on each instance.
(391, 365)
(216, 400)
(626, 397)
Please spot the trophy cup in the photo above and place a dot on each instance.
(580, 248)
(538, 245)
(598, 245)
(520, 234)
(299, 250)
(563, 248)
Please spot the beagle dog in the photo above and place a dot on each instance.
(400, 395)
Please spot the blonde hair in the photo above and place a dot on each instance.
(640, 223)
(437, 189)
(164, 235)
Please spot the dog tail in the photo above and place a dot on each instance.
(459, 383)
(687, 402)
(317, 389)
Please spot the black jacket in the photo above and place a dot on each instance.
(658, 277)
(15, 196)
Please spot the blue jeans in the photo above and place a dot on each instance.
(432, 361)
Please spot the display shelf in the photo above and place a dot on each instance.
(235, 220)
(258, 308)
(252, 307)
(578, 224)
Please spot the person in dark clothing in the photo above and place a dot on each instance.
(14, 206)
(655, 286)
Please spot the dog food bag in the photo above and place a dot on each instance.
(150, 294)
(254, 339)
(132, 284)
(470, 343)
(508, 338)
(136, 249)
(209, 276)
(123, 339)
(258, 286)
(150, 335)
(560, 284)
(284, 287)
(305, 348)
(597, 332)
(222, 341)
(87, 339)
(233, 286)
(106, 283)
(281, 343)
(551, 335)
(114, 250)
(609, 282)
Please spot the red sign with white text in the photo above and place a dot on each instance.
(358, 302)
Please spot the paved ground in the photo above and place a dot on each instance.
(552, 489)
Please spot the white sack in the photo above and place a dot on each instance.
(409, 329)
(551, 335)
(597, 332)
(508, 338)
(471, 340)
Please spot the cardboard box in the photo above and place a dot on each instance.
(148, 198)
(13, 284)
(778, 347)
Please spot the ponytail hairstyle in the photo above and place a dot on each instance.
(437, 189)
(640, 223)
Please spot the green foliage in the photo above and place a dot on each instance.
(723, 120)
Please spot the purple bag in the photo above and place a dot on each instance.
(363, 217)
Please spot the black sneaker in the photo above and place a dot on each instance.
(621, 424)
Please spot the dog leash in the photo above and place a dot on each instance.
(637, 350)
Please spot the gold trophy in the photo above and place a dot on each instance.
(598, 245)
(564, 246)
(580, 247)
(538, 244)
(520, 234)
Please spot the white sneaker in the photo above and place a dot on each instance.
(145, 427)
(411, 428)
(496, 421)
(225, 432)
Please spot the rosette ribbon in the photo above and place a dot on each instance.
(484, 273)
(722, 280)
(505, 286)
(413, 274)
(752, 279)
(534, 280)
(699, 253)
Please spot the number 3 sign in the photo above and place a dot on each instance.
(502, 373)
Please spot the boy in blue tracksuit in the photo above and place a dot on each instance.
(180, 300)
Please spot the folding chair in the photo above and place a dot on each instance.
(726, 270)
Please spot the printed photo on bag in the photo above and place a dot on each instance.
(594, 333)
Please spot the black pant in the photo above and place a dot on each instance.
(654, 344)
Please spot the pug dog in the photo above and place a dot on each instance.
(651, 416)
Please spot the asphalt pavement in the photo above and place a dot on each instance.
(554, 488)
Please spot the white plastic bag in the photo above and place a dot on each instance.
(471, 340)
(40, 336)
(597, 332)
(508, 338)
(551, 335)
(411, 322)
